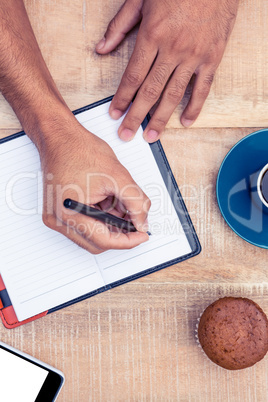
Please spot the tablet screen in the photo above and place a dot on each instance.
(20, 379)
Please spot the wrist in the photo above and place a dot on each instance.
(49, 126)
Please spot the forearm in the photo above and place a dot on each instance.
(25, 80)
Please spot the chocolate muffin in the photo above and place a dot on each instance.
(233, 332)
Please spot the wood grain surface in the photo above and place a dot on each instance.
(67, 32)
(137, 342)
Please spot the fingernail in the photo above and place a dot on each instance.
(143, 227)
(101, 44)
(126, 134)
(116, 114)
(187, 122)
(151, 135)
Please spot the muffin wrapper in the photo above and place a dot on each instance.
(197, 339)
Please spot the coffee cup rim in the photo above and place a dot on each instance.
(263, 170)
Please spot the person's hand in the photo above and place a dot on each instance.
(76, 164)
(177, 39)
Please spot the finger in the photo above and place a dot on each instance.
(202, 85)
(69, 232)
(147, 96)
(105, 239)
(108, 204)
(137, 69)
(171, 97)
(113, 206)
(121, 209)
(99, 235)
(79, 240)
(136, 203)
(126, 18)
(116, 208)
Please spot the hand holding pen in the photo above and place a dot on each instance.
(85, 164)
(101, 216)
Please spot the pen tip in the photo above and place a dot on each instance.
(149, 233)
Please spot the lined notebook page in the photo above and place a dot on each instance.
(42, 268)
(168, 240)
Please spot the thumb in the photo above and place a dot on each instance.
(126, 18)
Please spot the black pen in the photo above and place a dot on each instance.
(100, 215)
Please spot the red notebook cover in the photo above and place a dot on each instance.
(7, 312)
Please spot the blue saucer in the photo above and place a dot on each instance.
(236, 189)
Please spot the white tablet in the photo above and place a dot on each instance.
(26, 379)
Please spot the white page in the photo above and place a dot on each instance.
(168, 240)
(40, 267)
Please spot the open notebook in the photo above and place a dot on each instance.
(41, 269)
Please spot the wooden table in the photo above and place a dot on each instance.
(137, 342)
